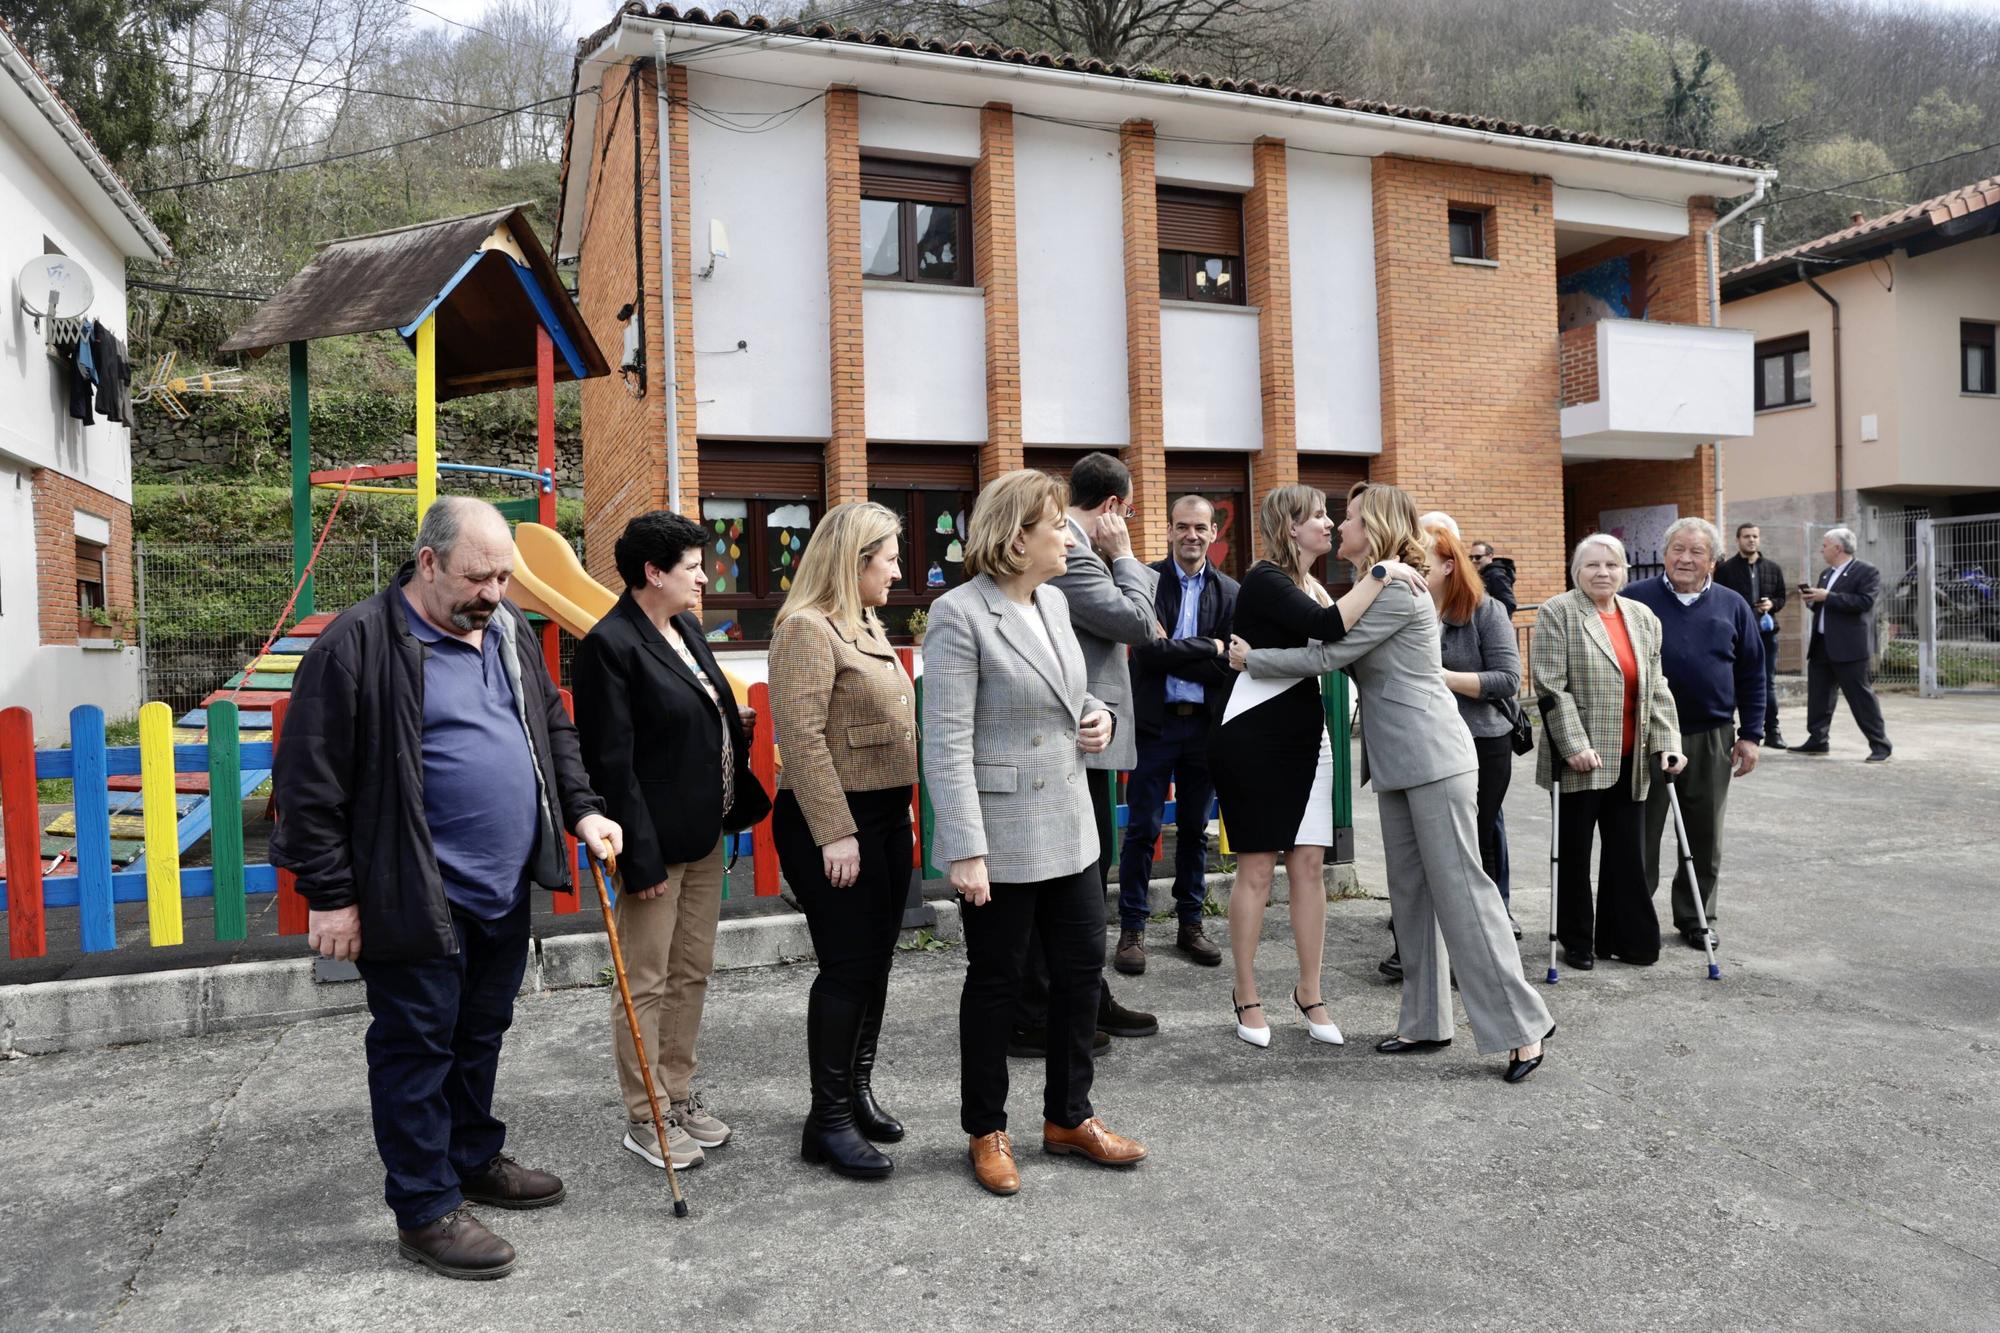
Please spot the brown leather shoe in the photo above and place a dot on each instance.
(1091, 1139)
(1131, 955)
(993, 1163)
(458, 1245)
(1196, 945)
(505, 1183)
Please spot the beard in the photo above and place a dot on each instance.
(469, 616)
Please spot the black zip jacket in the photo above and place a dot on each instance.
(348, 779)
(1766, 578)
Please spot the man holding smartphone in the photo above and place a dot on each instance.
(1760, 581)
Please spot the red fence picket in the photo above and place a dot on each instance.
(292, 909)
(763, 763)
(26, 937)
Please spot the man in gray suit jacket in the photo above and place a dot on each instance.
(1110, 606)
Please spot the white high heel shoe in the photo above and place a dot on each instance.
(1258, 1037)
(1329, 1033)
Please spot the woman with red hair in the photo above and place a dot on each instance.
(1482, 669)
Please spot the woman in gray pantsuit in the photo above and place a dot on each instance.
(1420, 757)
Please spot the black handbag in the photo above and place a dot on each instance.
(1522, 737)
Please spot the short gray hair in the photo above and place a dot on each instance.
(1437, 518)
(1605, 540)
(1845, 536)
(446, 520)
(1706, 529)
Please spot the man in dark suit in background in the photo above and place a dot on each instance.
(1178, 684)
(1840, 655)
(1760, 581)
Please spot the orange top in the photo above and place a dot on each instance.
(1628, 663)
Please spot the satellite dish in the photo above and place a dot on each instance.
(54, 287)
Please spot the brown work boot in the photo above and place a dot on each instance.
(993, 1163)
(1196, 945)
(1091, 1139)
(1131, 956)
(458, 1245)
(505, 1183)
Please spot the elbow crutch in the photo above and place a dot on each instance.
(1694, 884)
(1547, 705)
(638, 1042)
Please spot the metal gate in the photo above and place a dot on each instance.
(1958, 578)
(1887, 540)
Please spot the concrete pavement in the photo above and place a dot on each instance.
(1809, 1144)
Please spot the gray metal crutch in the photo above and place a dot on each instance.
(1548, 702)
(1687, 865)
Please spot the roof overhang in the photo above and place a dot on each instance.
(30, 107)
(1918, 236)
(812, 64)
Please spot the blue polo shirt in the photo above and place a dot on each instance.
(479, 774)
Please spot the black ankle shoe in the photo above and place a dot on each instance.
(1580, 959)
(831, 1139)
(1116, 1019)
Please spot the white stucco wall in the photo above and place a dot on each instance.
(35, 425)
(924, 353)
(1209, 384)
(1336, 354)
(1070, 246)
(769, 190)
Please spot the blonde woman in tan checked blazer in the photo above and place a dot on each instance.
(847, 728)
(1606, 708)
(1008, 718)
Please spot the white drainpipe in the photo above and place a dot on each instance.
(1715, 297)
(670, 386)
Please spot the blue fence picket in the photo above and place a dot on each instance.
(97, 921)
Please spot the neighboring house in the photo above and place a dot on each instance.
(896, 268)
(65, 488)
(1877, 400)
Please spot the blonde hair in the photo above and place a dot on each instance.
(1005, 506)
(1389, 517)
(828, 578)
(1281, 508)
(1609, 543)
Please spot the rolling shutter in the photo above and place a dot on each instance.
(923, 467)
(1201, 221)
(779, 471)
(925, 182)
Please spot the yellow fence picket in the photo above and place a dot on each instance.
(163, 852)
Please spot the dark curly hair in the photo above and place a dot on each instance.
(659, 538)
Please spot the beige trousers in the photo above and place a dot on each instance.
(669, 948)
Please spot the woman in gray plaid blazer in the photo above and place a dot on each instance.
(1007, 719)
(1607, 710)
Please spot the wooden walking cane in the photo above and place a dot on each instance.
(632, 1020)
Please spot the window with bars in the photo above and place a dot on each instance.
(1975, 356)
(916, 222)
(759, 504)
(1784, 372)
(932, 488)
(1201, 246)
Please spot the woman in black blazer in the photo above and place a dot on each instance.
(668, 749)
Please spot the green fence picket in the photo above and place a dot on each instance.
(225, 834)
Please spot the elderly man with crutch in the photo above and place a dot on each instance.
(427, 775)
(1713, 655)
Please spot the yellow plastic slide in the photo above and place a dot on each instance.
(550, 581)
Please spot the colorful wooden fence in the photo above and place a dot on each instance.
(91, 886)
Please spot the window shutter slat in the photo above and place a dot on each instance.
(923, 468)
(884, 178)
(779, 471)
(1205, 473)
(1210, 224)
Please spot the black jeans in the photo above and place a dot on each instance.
(1623, 923)
(433, 1050)
(1066, 917)
(1178, 754)
(853, 929)
(1032, 1009)
(1496, 774)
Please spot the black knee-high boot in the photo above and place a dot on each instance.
(873, 1119)
(832, 1025)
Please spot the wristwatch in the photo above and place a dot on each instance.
(1380, 574)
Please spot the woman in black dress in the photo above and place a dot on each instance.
(1270, 756)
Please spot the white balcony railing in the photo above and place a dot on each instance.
(1646, 390)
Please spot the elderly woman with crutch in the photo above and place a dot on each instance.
(668, 749)
(847, 727)
(1418, 753)
(1608, 718)
(1007, 720)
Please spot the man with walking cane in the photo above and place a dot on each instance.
(1713, 655)
(427, 774)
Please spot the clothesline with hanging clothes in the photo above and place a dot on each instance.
(100, 374)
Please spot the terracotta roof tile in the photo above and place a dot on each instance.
(1249, 87)
(1958, 203)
